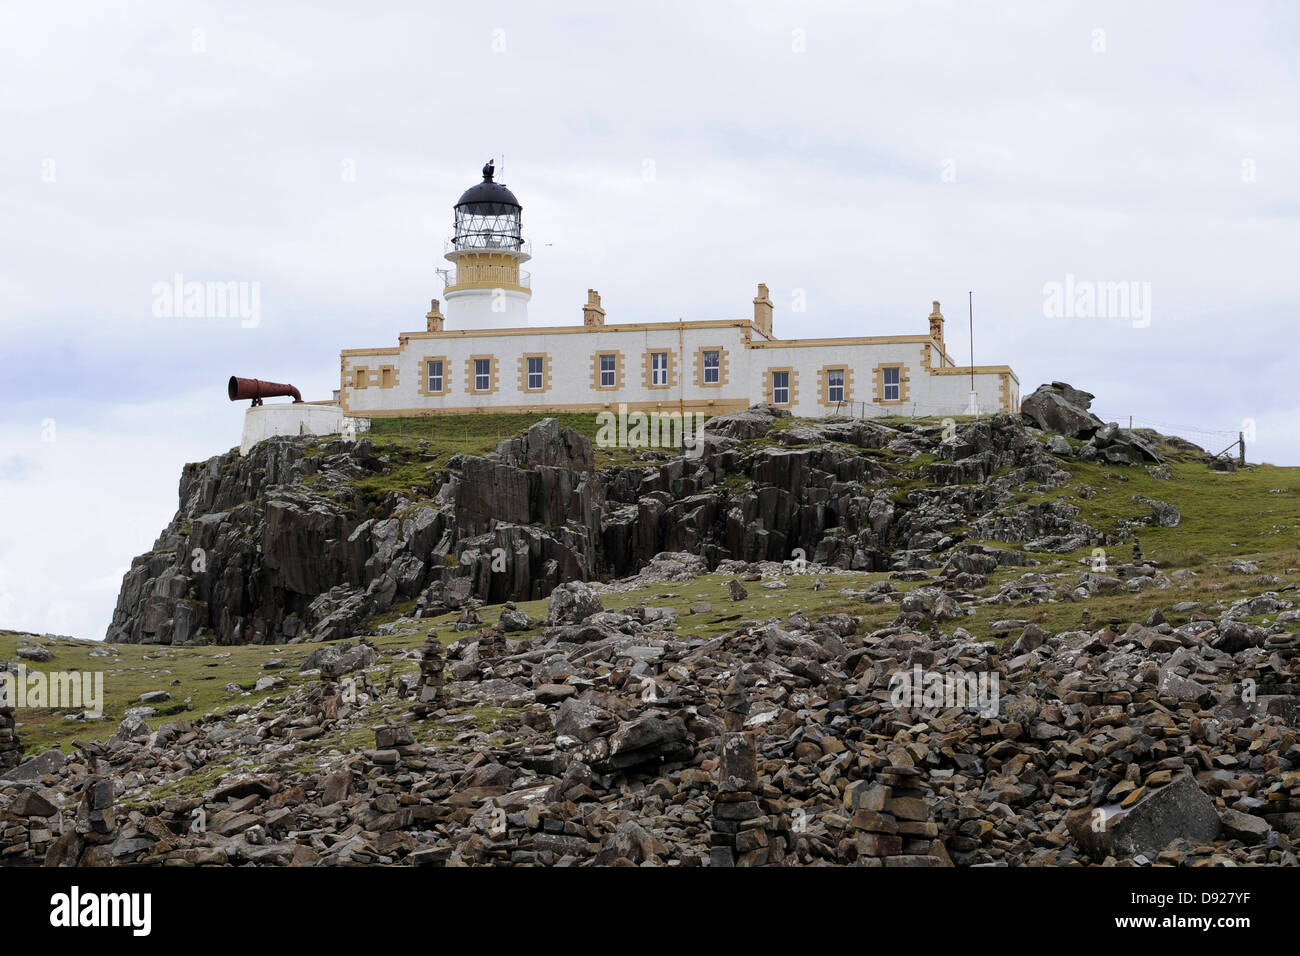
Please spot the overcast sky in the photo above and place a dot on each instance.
(865, 158)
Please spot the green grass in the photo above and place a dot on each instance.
(473, 434)
(431, 441)
(1224, 516)
(135, 669)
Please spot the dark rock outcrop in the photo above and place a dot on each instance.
(1061, 409)
(291, 542)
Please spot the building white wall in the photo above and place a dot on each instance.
(487, 309)
(749, 358)
(293, 418)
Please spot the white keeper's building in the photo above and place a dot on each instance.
(483, 355)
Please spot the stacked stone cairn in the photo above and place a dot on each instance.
(11, 749)
(27, 829)
(428, 692)
(96, 825)
(891, 822)
(741, 832)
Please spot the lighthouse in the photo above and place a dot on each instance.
(477, 352)
(487, 289)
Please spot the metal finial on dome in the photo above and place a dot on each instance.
(489, 170)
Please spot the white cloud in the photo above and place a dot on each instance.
(818, 171)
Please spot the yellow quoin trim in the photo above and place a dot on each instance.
(619, 366)
(823, 383)
(878, 383)
(523, 372)
(647, 368)
(724, 367)
(424, 376)
(769, 390)
(470, 384)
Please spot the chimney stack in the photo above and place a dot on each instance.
(763, 311)
(593, 316)
(434, 317)
(936, 325)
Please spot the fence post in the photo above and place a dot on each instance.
(1241, 449)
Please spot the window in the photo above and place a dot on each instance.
(435, 375)
(535, 373)
(608, 373)
(360, 377)
(780, 388)
(387, 377)
(712, 367)
(482, 375)
(835, 385)
(890, 379)
(659, 368)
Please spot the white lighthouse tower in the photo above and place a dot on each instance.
(487, 290)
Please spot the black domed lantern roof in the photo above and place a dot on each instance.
(488, 216)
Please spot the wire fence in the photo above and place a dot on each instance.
(1216, 441)
(909, 410)
(1220, 442)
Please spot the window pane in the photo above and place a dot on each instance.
(781, 388)
(711, 367)
(835, 385)
(892, 380)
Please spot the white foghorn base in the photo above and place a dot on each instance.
(487, 309)
(297, 418)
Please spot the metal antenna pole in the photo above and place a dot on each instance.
(970, 301)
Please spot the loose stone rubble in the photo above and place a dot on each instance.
(619, 741)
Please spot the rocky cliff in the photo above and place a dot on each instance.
(292, 542)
